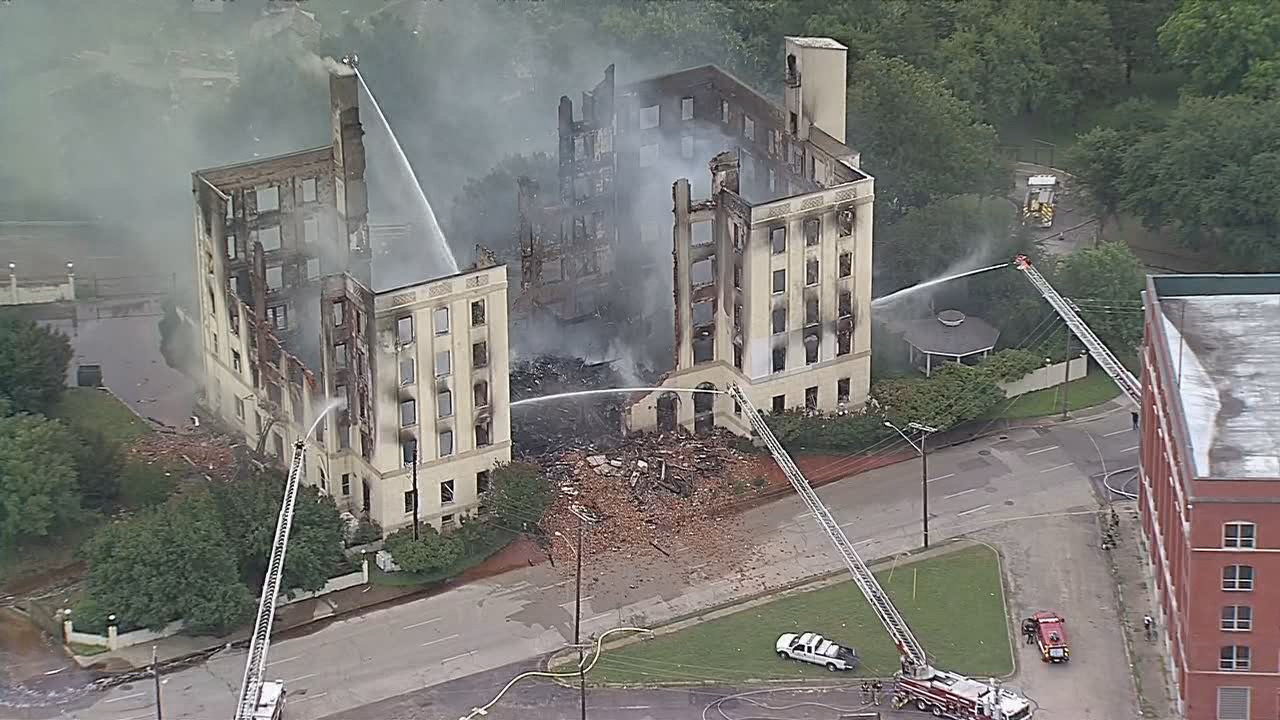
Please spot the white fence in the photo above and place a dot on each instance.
(35, 292)
(1046, 377)
(115, 640)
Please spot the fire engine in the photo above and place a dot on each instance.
(1041, 197)
(1050, 632)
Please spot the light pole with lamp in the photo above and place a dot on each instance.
(923, 449)
(584, 517)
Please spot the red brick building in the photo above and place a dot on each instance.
(1210, 487)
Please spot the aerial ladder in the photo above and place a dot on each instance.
(914, 661)
(261, 699)
(1128, 384)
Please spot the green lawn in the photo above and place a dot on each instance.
(953, 603)
(1093, 389)
(101, 411)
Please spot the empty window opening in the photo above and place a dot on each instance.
(444, 403)
(846, 303)
(477, 313)
(724, 111)
(703, 349)
(310, 230)
(443, 363)
(703, 312)
(407, 371)
(737, 356)
(780, 358)
(480, 394)
(441, 320)
(779, 324)
(773, 180)
(483, 434)
(483, 478)
(702, 272)
(409, 452)
(233, 248)
(779, 404)
(313, 268)
(793, 123)
(811, 344)
(552, 271)
(408, 413)
(649, 117)
(844, 340)
(779, 281)
(308, 190)
(686, 108)
(340, 355)
(446, 492)
(240, 408)
(410, 501)
(269, 237)
(811, 398)
(844, 219)
(842, 391)
(811, 272)
(812, 231)
(275, 278)
(737, 277)
(338, 313)
(846, 264)
(748, 127)
(778, 240)
(445, 439)
(236, 363)
(701, 234)
(404, 329)
(480, 354)
(581, 189)
(268, 198)
(811, 314)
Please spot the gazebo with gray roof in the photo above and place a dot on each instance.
(949, 336)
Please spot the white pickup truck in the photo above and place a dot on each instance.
(813, 648)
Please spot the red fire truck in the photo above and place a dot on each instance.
(948, 695)
(1050, 634)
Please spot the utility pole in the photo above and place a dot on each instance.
(415, 489)
(577, 626)
(155, 672)
(1066, 373)
(923, 449)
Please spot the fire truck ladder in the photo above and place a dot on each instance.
(255, 667)
(913, 654)
(1110, 365)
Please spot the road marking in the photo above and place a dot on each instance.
(942, 477)
(124, 697)
(1135, 447)
(552, 587)
(962, 492)
(439, 640)
(299, 679)
(573, 601)
(1056, 467)
(1117, 432)
(295, 699)
(424, 622)
(1037, 452)
(967, 512)
(283, 660)
(622, 707)
(143, 716)
(455, 657)
(611, 613)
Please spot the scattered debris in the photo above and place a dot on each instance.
(551, 427)
(657, 491)
(204, 452)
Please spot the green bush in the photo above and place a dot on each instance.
(429, 553)
(519, 495)
(366, 532)
(1012, 364)
(143, 486)
(797, 430)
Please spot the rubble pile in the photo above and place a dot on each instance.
(652, 493)
(204, 453)
(550, 427)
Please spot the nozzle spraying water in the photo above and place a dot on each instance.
(884, 300)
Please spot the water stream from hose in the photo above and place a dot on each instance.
(884, 300)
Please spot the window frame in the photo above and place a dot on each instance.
(1234, 663)
(1231, 619)
(1236, 581)
(1239, 526)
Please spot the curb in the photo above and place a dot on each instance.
(821, 580)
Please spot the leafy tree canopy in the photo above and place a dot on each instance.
(431, 552)
(169, 564)
(33, 365)
(1227, 44)
(38, 491)
(1106, 282)
(519, 495)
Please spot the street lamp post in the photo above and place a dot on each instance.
(415, 488)
(923, 449)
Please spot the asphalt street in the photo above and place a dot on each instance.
(1010, 483)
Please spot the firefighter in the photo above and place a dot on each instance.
(1148, 626)
(866, 692)
(876, 687)
(1134, 417)
(1029, 631)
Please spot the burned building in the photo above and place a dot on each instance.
(294, 319)
(696, 213)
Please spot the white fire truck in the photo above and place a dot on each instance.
(948, 695)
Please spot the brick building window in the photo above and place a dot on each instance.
(1234, 658)
(1233, 703)
(1242, 535)
(308, 190)
(1237, 578)
(1237, 618)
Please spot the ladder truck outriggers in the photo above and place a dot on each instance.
(262, 699)
(1128, 384)
(945, 694)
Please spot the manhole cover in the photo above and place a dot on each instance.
(984, 452)
(1008, 502)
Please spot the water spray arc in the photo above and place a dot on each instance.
(608, 391)
(885, 299)
(428, 214)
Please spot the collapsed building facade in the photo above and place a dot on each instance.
(294, 318)
(770, 220)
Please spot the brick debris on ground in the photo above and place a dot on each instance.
(571, 422)
(655, 492)
(206, 453)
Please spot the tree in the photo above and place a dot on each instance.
(1133, 32)
(908, 29)
(1205, 175)
(953, 394)
(1106, 283)
(33, 365)
(994, 59)
(1098, 159)
(98, 467)
(942, 151)
(431, 552)
(249, 509)
(1222, 41)
(37, 478)
(168, 564)
(519, 495)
